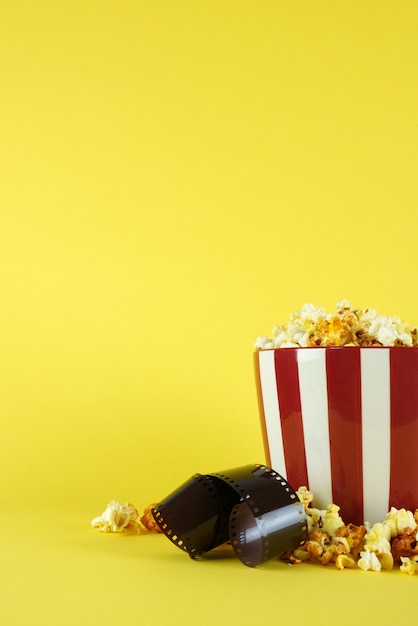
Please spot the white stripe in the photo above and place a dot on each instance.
(314, 404)
(271, 410)
(375, 401)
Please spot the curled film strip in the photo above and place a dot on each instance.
(252, 507)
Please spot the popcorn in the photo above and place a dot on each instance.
(116, 518)
(148, 520)
(377, 542)
(329, 539)
(305, 496)
(382, 546)
(408, 566)
(327, 519)
(368, 561)
(399, 520)
(331, 520)
(120, 517)
(313, 326)
(344, 560)
(353, 537)
(405, 545)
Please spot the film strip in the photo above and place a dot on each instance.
(252, 507)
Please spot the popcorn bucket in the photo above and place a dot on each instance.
(343, 421)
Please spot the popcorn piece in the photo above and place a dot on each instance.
(313, 517)
(369, 561)
(405, 545)
(390, 332)
(320, 547)
(116, 518)
(305, 496)
(408, 566)
(263, 343)
(332, 520)
(377, 541)
(327, 519)
(300, 554)
(344, 560)
(313, 326)
(398, 520)
(317, 544)
(343, 541)
(148, 520)
(354, 534)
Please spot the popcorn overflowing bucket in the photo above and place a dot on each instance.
(343, 421)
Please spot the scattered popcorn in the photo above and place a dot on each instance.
(369, 561)
(329, 539)
(116, 518)
(344, 560)
(382, 546)
(377, 541)
(331, 521)
(399, 519)
(408, 566)
(327, 519)
(305, 496)
(313, 327)
(405, 544)
(148, 520)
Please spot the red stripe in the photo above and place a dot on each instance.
(344, 414)
(288, 392)
(404, 428)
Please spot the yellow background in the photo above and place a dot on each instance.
(176, 177)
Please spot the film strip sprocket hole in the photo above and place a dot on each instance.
(193, 516)
(252, 507)
(169, 532)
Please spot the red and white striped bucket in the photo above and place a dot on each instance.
(343, 421)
